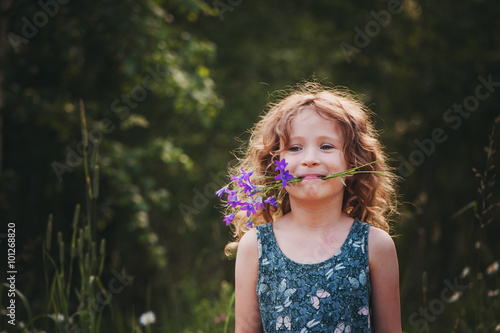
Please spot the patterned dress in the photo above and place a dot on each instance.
(330, 296)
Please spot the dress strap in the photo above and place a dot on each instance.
(265, 236)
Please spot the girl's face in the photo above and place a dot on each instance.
(315, 151)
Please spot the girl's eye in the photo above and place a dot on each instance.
(294, 148)
(327, 147)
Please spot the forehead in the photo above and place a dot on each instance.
(311, 122)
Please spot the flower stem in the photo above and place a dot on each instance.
(347, 173)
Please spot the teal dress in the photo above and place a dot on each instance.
(330, 296)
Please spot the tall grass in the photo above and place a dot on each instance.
(479, 306)
(86, 260)
(74, 290)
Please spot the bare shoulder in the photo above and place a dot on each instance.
(249, 241)
(247, 314)
(247, 247)
(247, 260)
(380, 245)
(384, 279)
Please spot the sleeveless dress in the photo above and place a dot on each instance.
(330, 296)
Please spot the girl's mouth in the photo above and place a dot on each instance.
(311, 177)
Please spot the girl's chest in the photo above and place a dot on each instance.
(310, 250)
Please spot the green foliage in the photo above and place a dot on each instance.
(214, 315)
(146, 83)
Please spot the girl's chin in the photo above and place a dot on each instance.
(312, 192)
(310, 195)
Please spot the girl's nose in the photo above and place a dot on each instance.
(310, 163)
(310, 159)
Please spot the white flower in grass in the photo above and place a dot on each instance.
(493, 293)
(493, 268)
(57, 317)
(147, 318)
(465, 272)
(455, 296)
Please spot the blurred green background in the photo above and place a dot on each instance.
(170, 89)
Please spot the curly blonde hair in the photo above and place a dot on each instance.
(370, 197)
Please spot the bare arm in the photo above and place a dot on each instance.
(384, 276)
(247, 311)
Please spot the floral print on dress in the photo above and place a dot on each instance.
(320, 293)
(330, 296)
(283, 322)
(342, 328)
(284, 295)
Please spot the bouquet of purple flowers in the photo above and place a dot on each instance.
(257, 195)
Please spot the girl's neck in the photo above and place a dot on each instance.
(317, 216)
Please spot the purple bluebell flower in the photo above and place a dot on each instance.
(258, 203)
(232, 199)
(229, 219)
(281, 165)
(244, 177)
(231, 195)
(272, 201)
(249, 207)
(248, 187)
(222, 191)
(245, 183)
(250, 223)
(284, 177)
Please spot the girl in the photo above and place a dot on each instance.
(322, 259)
